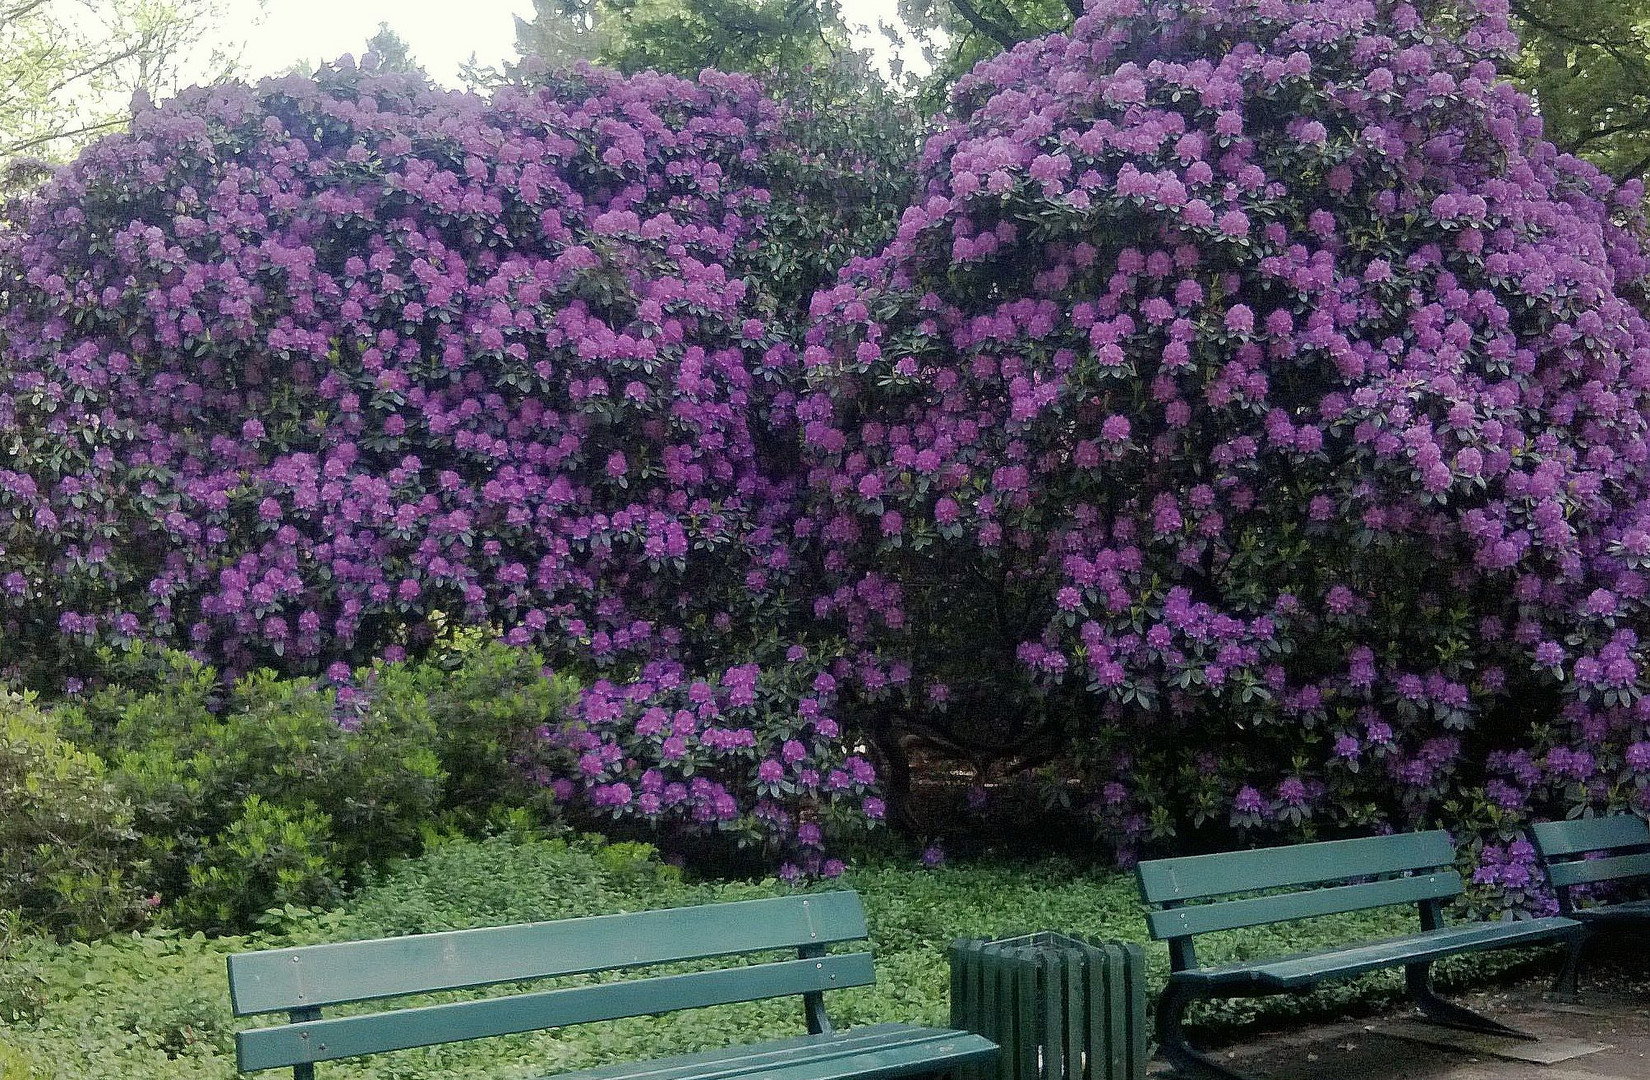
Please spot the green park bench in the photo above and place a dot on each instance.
(1589, 852)
(1203, 894)
(301, 982)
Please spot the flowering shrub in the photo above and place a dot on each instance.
(755, 754)
(1248, 376)
(295, 371)
(1254, 397)
(290, 368)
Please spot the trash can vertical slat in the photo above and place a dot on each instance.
(1076, 1024)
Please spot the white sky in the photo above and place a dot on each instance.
(441, 34)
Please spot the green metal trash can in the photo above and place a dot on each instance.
(1061, 1007)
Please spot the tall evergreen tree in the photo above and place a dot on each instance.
(392, 51)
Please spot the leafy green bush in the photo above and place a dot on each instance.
(486, 703)
(280, 792)
(268, 857)
(227, 789)
(22, 987)
(65, 833)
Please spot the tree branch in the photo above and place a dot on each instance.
(1003, 35)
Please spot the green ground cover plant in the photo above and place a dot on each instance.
(153, 1006)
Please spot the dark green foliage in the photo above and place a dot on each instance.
(1586, 64)
(228, 795)
(851, 147)
(65, 833)
(683, 37)
(268, 856)
(483, 703)
(22, 986)
(280, 792)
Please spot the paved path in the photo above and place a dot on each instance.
(1604, 1036)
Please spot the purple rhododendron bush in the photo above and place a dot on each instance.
(1251, 418)
(294, 372)
(1246, 424)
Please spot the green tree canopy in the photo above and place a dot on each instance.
(562, 32)
(68, 68)
(392, 51)
(1587, 62)
(685, 36)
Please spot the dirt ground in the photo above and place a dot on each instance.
(1603, 1035)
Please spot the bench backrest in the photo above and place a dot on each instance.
(1621, 844)
(303, 981)
(1194, 895)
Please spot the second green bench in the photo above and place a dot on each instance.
(1203, 894)
(1588, 852)
(303, 982)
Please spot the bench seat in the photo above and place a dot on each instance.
(1304, 969)
(871, 1052)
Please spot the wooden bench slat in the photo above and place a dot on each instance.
(276, 980)
(849, 1053)
(351, 1036)
(1432, 945)
(1581, 835)
(1261, 910)
(689, 1066)
(1589, 871)
(1629, 911)
(1197, 877)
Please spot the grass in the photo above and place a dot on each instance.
(153, 1006)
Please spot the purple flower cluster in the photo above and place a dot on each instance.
(1286, 400)
(294, 362)
(756, 753)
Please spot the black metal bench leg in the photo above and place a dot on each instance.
(1418, 977)
(1567, 985)
(1188, 1060)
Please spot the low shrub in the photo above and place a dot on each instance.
(269, 856)
(277, 792)
(485, 704)
(66, 834)
(22, 987)
(226, 787)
